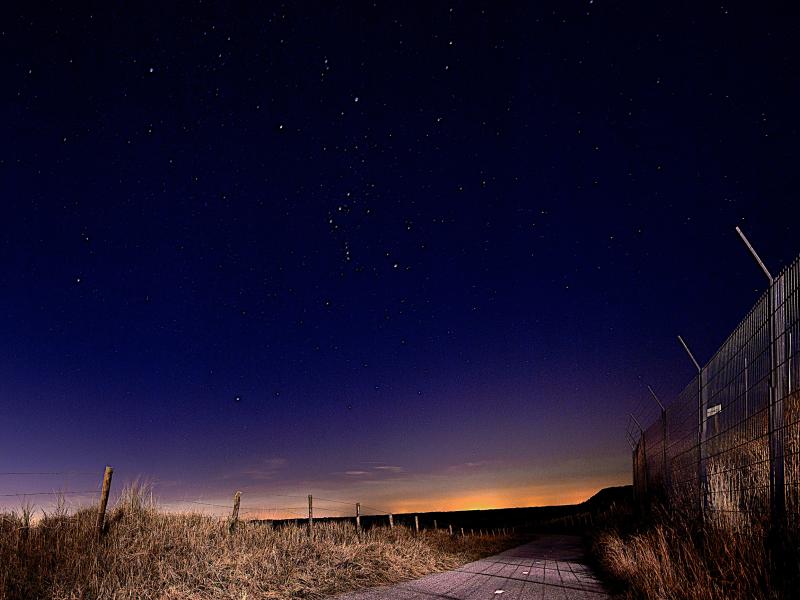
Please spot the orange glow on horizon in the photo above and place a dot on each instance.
(416, 495)
(531, 496)
(501, 498)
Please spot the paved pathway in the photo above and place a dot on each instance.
(552, 567)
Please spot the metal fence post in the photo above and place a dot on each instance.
(634, 462)
(777, 475)
(643, 446)
(777, 482)
(702, 416)
(664, 438)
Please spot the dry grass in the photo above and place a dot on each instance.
(149, 554)
(733, 554)
(676, 558)
(730, 555)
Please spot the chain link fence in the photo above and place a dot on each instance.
(729, 444)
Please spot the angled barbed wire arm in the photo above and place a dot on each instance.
(755, 255)
(689, 352)
(639, 425)
(652, 393)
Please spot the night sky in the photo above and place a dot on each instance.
(422, 255)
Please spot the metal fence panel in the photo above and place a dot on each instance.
(730, 444)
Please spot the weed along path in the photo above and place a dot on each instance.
(551, 567)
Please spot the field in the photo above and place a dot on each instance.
(148, 554)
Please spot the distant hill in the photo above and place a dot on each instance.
(620, 495)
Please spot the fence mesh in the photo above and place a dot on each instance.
(729, 444)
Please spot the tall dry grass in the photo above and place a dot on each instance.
(148, 554)
(734, 553)
(676, 557)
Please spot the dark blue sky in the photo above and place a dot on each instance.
(424, 254)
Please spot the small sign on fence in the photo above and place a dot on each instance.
(713, 410)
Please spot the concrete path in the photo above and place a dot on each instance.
(552, 567)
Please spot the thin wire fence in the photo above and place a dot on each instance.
(729, 444)
(269, 506)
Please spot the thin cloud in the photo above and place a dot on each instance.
(266, 469)
(474, 465)
(390, 469)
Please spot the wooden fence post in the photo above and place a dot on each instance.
(235, 514)
(416, 523)
(435, 524)
(450, 527)
(391, 521)
(101, 511)
(462, 532)
(310, 515)
(358, 516)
